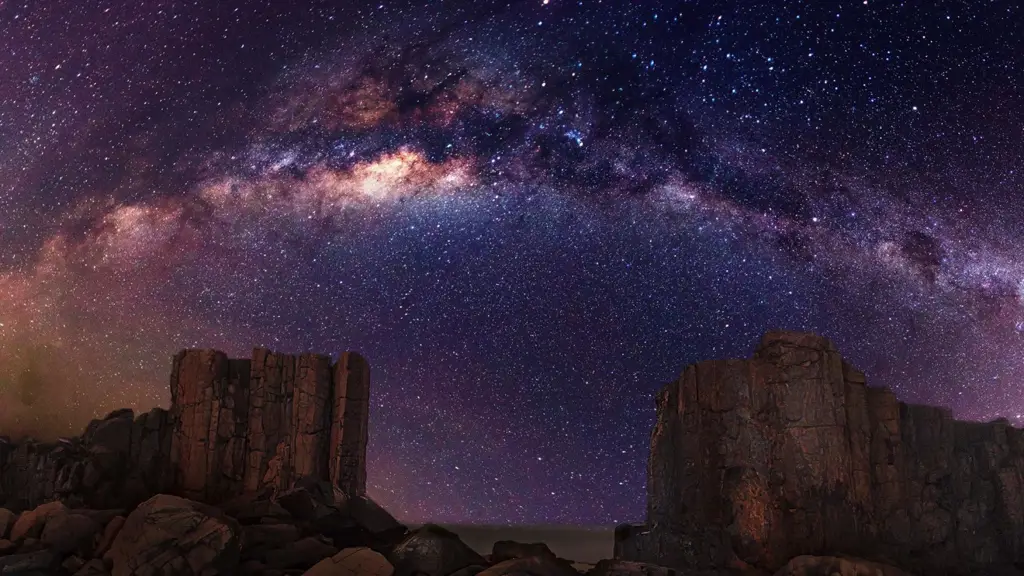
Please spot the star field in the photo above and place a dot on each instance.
(527, 215)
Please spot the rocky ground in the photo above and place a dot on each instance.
(312, 529)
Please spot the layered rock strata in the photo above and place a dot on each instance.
(754, 462)
(234, 427)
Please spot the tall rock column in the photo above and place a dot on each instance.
(349, 419)
(209, 396)
(311, 417)
(271, 390)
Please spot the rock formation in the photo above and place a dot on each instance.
(756, 462)
(234, 427)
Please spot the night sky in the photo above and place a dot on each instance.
(528, 216)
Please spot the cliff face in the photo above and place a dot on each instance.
(234, 427)
(754, 462)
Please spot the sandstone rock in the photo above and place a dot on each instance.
(368, 514)
(70, 532)
(40, 562)
(353, 562)
(72, 564)
(532, 566)
(626, 568)
(301, 554)
(469, 570)
(833, 566)
(268, 536)
(432, 551)
(754, 462)
(7, 519)
(93, 567)
(30, 524)
(508, 550)
(110, 532)
(172, 535)
(255, 509)
(306, 503)
(100, 517)
(30, 545)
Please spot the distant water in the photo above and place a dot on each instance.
(576, 543)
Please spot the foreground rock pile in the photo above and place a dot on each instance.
(312, 529)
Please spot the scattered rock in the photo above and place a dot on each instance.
(432, 551)
(627, 568)
(72, 564)
(353, 562)
(109, 533)
(369, 515)
(30, 524)
(39, 562)
(252, 568)
(301, 554)
(30, 545)
(255, 509)
(469, 570)
(94, 567)
(533, 566)
(835, 566)
(509, 550)
(67, 533)
(172, 535)
(268, 536)
(7, 519)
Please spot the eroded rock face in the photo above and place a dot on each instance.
(754, 462)
(250, 426)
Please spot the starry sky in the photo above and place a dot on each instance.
(528, 215)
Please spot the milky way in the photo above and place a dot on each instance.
(527, 217)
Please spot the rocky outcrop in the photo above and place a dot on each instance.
(755, 462)
(234, 427)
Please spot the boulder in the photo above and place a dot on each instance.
(836, 566)
(172, 535)
(353, 562)
(627, 568)
(39, 562)
(371, 516)
(432, 551)
(7, 547)
(94, 567)
(72, 564)
(7, 519)
(254, 509)
(68, 533)
(469, 570)
(30, 524)
(508, 550)
(300, 554)
(30, 545)
(532, 565)
(109, 533)
(268, 536)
